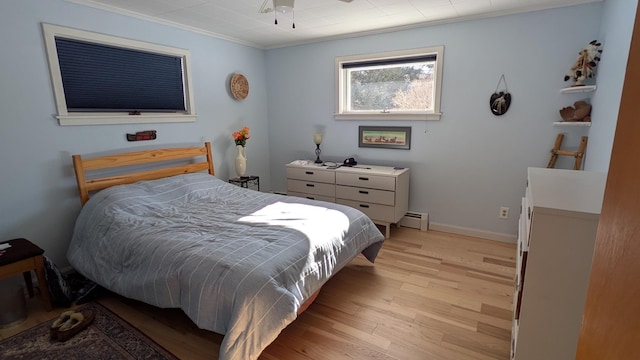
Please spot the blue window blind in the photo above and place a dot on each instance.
(103, 78)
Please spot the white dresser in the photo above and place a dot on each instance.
(558, 224)
(381, 192)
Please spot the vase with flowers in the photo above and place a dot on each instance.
(240, 137)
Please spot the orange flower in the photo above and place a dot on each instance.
(241, 136)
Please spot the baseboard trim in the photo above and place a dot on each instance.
(484, 234)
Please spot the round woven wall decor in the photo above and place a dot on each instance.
(239, 86)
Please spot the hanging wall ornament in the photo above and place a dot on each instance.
(499, 102)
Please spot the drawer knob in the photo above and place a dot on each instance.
(363, 192)
(363, 178)
(364, 206)
(310, 185)
(309, 172)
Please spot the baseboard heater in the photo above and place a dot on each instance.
(415, 220)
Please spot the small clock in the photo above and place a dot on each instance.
(239, 86)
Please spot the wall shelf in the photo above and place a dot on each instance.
(572, 123)
(578, 89)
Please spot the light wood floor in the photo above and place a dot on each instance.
(430, 295)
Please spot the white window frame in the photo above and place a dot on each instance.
(342, 86)
(93, 118)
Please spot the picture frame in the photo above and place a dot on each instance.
(386, 137)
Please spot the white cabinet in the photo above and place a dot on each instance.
(381, 192)
(558, 223)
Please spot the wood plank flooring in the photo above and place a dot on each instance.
(430, 295)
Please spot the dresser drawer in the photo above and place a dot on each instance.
(312, 197)
(516, 298)
(523, 230)
(373, 211)
(514, 338)
(528, 212)
(365, 195)
(367, 181)
(309, 187)
(311, 174)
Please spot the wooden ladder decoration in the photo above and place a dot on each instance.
(579, 155)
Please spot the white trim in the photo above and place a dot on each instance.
(342, 85)
(483, 234)
(385, 116)
(65, 118)
(122, 119)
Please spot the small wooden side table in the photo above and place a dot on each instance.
(249, 182)
(22, 257)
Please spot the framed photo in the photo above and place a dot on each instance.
(389, 137)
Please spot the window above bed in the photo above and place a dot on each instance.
(102, 79)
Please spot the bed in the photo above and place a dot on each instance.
(238, 262)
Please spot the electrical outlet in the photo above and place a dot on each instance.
(504, 212)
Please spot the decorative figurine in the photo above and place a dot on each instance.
(585, 66)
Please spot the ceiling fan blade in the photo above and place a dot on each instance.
(264, 8)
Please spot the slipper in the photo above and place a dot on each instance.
(57, 323)
(77, 322)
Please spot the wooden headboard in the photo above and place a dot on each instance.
(136, 158)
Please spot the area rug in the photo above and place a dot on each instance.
(108, 337)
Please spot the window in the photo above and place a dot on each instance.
(101, 79)
(398, 85)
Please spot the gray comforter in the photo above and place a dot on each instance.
(238, 262)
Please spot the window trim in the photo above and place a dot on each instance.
(92, 118)
(341, 85)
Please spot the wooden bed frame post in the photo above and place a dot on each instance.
(207, 145)
(80, 179)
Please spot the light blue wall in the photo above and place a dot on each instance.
(615, 33)
(38, 197)
(464, 167)
(468, 164)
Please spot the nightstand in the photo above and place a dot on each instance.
(22, 257)
(249, 182)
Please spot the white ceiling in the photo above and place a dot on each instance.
(241, 21)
